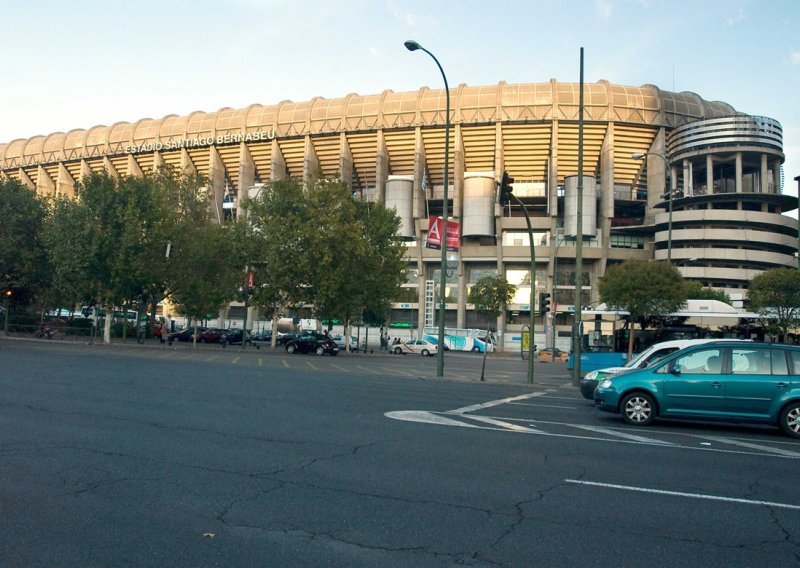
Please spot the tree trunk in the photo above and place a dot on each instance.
(630, 339)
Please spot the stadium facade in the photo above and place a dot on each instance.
(666, 176)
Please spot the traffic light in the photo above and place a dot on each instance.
(544, 303)
(506, 189)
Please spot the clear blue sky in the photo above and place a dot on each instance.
(77, 64)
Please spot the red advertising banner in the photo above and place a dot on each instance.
(434, 236)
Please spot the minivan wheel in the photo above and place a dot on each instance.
(638, 409)
(291, 348)
(398, 350)
(320, 350)
(426, 353)
(790, 419)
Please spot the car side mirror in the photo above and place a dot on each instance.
(675, 369)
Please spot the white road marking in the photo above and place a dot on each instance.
(426, 417)
(682, 494)
(491, 403)
(601, 430)
(501, 424)
(758, 447)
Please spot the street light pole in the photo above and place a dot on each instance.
(668, 176)
(412, 45)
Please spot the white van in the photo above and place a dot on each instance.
(644, 359)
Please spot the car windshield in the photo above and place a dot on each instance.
(634, 360)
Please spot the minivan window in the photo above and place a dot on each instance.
(657, 356)
(703, 362)
(759, 362)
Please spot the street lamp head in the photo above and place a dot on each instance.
(411, 45)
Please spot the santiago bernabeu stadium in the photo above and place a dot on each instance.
(665, 175)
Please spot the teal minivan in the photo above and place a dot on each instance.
(728, 381)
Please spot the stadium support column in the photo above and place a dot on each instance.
(65, 185)
(709, 174)
(247, 177)
(606, 199)
(499, 167)
(738, 174)
(419, 204)
(45, 185)
(216, 177)
(458, 209)
(381, 167)
(346, 161)
(133, 167)
(277, 165)
(310, 160)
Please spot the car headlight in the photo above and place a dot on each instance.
(605, 383)
(590, 376)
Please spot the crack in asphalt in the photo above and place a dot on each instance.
(158, 425)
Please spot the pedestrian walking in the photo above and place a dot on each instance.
(142, 329)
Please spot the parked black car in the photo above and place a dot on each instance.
(311, 342)
(183, 335)
(234, 337)
(262, 336)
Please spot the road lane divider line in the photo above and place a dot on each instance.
(491, 403)
(682, 494)
(369, 371)
(235, 360)
(427, 418)
(759, 447)
(310, 364)
(623, 435)
(502, 424)
(335, 366)
(285, 364)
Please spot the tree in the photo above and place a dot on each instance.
(277, 237)
(491, 295)
(316, 245)
(645, 289)
(23, 260)
(775, 296)
(697, 291)
(205, 270)
(108, 244)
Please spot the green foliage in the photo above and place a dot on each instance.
(491, 295)
(645, 289)
(696, 291)
(317, 245)
(23, 260)
(775, 295)
(204, 271)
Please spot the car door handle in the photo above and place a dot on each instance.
(781, 385)
(716, 384)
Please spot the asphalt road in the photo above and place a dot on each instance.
(142, 456)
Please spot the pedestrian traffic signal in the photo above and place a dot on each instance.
(506, 189)
(544, 303)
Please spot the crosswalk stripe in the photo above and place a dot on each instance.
(758, 447)
(609, 432)
(491, 403)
